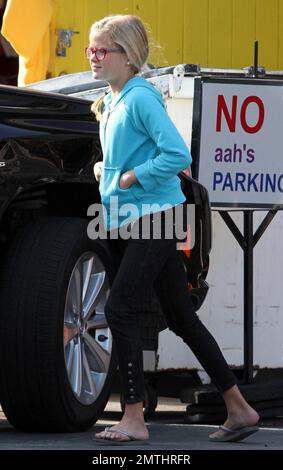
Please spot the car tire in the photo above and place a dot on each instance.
(57, 359)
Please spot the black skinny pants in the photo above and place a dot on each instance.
(147, 263)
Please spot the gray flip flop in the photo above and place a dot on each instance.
(234, 435)
(110, 441)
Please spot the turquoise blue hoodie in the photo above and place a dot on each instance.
(137, 134)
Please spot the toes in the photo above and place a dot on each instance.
(109, 435)
(216, 434)
(101, 435)
(115, 436)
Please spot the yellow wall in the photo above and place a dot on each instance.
(212, 33)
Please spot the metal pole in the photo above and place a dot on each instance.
(248, 297)
(256, 59)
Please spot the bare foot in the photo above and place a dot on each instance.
(248, 417)
(138, 430)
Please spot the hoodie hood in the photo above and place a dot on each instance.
(129, 85)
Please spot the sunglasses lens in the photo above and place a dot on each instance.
(100, 54)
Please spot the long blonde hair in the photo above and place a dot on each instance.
(129, 32)
(97, 107)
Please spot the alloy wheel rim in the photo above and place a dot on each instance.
(87, 337)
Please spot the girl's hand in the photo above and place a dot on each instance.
(127, 179)
(97, 170)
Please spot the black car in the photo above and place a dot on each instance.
(57, 361)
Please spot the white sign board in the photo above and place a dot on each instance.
(241, 143)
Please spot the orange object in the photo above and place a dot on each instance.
(26, 25)
(187, 244)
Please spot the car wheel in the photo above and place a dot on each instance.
(57, 360)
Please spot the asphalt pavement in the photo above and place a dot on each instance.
(167, 432)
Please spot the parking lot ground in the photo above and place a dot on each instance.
(167, 432)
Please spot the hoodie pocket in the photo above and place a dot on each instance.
(138, 191)
(110, 186)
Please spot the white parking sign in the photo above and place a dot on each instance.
(241, 142)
